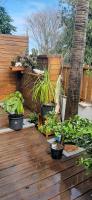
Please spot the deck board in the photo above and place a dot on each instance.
(27, 171)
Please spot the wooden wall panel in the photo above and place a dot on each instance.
(86, 84)
(10, 47)
(54, 66)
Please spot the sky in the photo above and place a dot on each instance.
(20, 9)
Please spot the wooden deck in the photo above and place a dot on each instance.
(27, 171)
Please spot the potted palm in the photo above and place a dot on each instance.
(44, 92)
(13, 105)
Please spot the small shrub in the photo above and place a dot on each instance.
(33, 117)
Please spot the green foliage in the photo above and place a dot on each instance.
(75, 130)
(29, 60)
(6, 26)
(14, 103)
(67, 10)
(43, 89)
(51, 125)
(78, 130)
(26, 60)
(33, 117)
(86, 162)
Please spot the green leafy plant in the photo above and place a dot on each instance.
(14, 103)
(86, 162)
(33, 117)
(26, 60)
(57, 129)
(51, 125)
(75, 130)
(79, 131)
(43, 89)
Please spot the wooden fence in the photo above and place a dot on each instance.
(86, 84)
(10, 47)
(54, 65)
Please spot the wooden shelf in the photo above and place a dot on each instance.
(17, 69)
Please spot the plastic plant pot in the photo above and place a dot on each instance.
(15, 122)
(56, 153)
(45, 108)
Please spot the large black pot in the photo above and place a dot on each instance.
(15, 121)
(45, 108)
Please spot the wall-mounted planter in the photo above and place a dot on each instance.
(17, 69)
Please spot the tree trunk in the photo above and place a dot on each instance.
(77, 58)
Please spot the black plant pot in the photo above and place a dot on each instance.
(56, 153)
(45, 108)
(15, 121)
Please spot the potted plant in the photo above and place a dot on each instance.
(44, 92)
(56, 150)
(58, 146)
(52, 125)
(49, 124)
(16, 64)
(33, 118)
(58, 133)
(25, 61)
(13, 105)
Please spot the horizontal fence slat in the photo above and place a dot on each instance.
(10, 47)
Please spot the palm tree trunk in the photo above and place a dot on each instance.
(77, 58)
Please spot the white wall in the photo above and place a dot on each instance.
(84, 109)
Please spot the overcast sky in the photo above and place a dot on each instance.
(20, 9)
